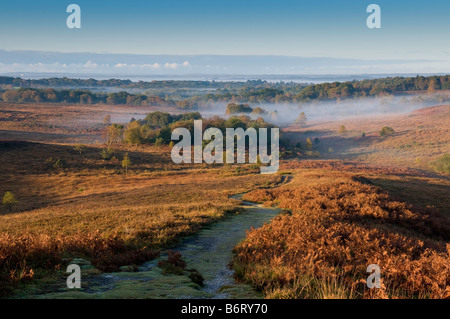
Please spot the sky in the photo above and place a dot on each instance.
(414, 35)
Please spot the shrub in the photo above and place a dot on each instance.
(107, 153)
(159, 141)
(51, 163)
(59, 163)
(312, 153)
(196, 277)
(386, 131)
(342, 129)
(442, 164)
(80, 148)
(174, 263)
(9, 200)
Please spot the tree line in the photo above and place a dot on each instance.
(242, 92)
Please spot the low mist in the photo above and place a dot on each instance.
(286, 113)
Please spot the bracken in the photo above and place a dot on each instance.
(337, 228)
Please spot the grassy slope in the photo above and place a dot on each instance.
(91, 203)
(420, 138)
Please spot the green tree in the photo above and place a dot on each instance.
(133, 133)
(126, 163)
(233, 108)
(9, 200)
(158, 119)
(342, 129)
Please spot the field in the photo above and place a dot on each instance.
(364, 200)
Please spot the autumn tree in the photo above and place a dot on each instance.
(114, 133)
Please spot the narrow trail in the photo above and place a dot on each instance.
(209, 251)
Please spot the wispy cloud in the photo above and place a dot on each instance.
(138, 66)
(129, 64)
(174, 66)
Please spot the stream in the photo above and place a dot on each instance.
(209, 251)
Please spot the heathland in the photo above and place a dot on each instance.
(97, 182)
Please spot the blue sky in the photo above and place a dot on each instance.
(411, 30)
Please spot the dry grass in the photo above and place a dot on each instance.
(91, 203)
